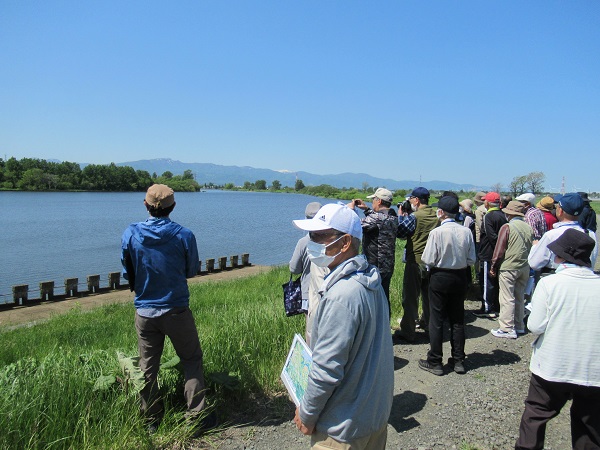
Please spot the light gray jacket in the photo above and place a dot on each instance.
(351, 383)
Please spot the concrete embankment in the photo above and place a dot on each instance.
(22, 315)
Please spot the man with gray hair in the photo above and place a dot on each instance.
(348, 399)
(380, 226)
(449, 251)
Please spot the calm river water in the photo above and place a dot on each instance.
(56, 235)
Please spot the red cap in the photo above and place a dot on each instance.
(492, 197)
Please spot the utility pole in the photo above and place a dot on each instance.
(562, 187)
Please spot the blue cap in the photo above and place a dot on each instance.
(571, 203)
(420, 192)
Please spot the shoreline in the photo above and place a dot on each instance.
(30, 315)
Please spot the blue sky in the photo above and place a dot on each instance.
(463, 91)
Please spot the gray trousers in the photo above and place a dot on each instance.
(178, 324)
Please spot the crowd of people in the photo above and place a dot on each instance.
(520, 249)
(547, 250)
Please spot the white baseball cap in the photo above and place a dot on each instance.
(527, 197)
(333, 215)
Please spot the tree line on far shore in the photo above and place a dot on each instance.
(31, 174)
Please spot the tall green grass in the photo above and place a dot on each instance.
(48, 371)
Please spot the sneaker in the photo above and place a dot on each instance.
(492, 315)
(457, 366)
(504, 334)
(427, 366)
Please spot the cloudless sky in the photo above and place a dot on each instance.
(463, 91)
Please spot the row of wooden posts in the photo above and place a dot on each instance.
(20, 292)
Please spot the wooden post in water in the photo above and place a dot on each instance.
(114, 280)
(20, 293)
(46, 290)
(223, 263)
(71, 287)
(93, 282)
(199, 268)
(245, 259)
(210, 265)
(234, 261)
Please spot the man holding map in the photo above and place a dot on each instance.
(348, 399)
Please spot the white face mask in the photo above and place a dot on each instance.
(413, 207)
(316, 253)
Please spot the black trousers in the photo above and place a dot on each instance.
(447, 291)
(544, 401)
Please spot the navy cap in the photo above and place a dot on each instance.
(448, 204)
(571, 203)
(420, 192)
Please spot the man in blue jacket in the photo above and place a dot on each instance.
(348, 398)
(158, 255)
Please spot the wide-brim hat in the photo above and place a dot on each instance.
(545, 204)
(574, 246)
(514, 208)
(467, 205)
(479, 198)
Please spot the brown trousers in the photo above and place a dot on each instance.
(178, 324)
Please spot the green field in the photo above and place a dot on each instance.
(61, 385)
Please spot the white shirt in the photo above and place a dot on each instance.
(565, 308)
(449, 246)
(540, 256)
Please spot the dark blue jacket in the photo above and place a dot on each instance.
(158, 256)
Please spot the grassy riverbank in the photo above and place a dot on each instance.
(48, 372)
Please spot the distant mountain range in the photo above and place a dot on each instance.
(213, 173)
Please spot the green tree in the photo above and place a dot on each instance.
(229, 186)
(276, 185)
(299, 185)
(261, 185)
(248, 185)
(188, 175)
(535, 182)
(517, 185)
(33, 180)
(168, 174)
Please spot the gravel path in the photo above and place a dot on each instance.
(479, 410)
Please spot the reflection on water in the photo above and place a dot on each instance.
(54, 235)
